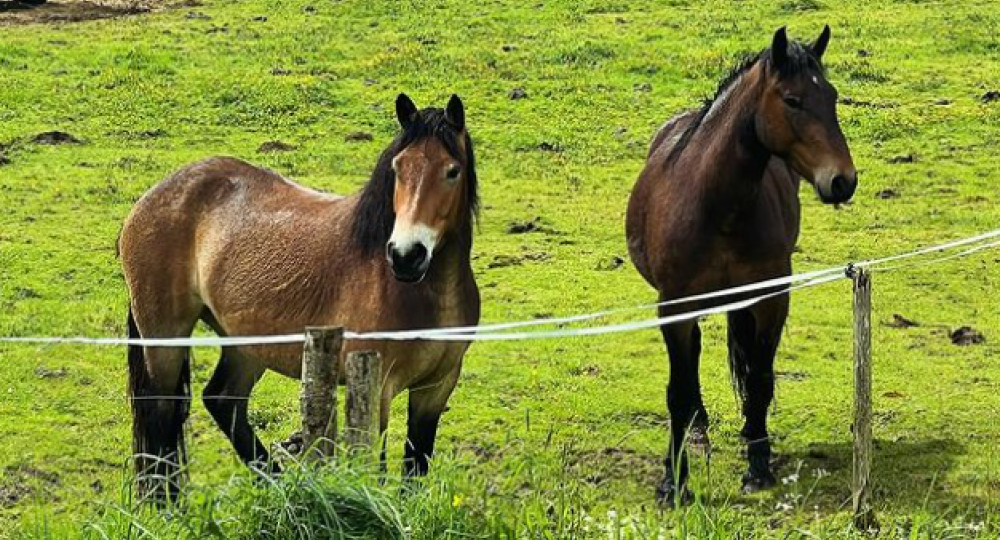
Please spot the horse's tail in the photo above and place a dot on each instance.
(739, 358)
(158, 420)
(136, 384)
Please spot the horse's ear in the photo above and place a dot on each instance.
(406, 111)
(779, 48)
(819, 47)
(455, 113)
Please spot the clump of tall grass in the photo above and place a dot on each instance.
(336, 500)
(353, 499)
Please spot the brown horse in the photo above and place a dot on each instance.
(717, 206)
(251, 253)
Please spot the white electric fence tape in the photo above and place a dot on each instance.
(490, 332)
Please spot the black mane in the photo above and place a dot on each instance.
(800, 60)
(374, 217)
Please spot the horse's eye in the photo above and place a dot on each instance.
(793, 101)
(453, 173)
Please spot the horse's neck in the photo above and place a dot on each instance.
(730, 161)
(450, 268)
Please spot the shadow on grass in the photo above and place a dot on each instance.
(906, 475)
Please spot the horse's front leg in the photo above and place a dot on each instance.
(427, 402)
(761, 333)
(683, 399)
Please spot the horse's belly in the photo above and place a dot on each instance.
(715, 268)
(409, 364)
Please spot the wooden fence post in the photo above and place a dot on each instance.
(364, 399)
(864, 515)
(320, 356)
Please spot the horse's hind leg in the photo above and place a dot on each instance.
(683, 402)
(160, 390)
(227, 398)
(754, 335)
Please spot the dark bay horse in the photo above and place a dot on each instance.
(251, 253)
(716, 206)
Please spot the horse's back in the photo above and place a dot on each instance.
(221, 232)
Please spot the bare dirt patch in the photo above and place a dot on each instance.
(967, 335)
(19, 12)
(55, 137)
(21, 482)
(271, 147)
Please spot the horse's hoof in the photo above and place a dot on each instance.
(698, 442)
(668, 495)
(755, 482)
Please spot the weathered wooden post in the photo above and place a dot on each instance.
(320, 356)
(864, 515)
(364, 398)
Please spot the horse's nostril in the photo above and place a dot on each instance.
(842, 187)
(417, 255)
(839, 185)
(409, 261)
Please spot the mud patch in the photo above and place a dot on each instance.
(69, 11)
(902, 158)
(794, 376)
(967, 335)
(275, 146)
(518, 93)
(531, 225)
(504, 261)
(589, 370)
(359, 136)
(46, 373)
(55, 137)
(26, 293)
(848, 100)
(12, 493)
(21, 482)
(601, 466)
(614, 263)
(899, 321)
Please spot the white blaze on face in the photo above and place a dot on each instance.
(407, 231)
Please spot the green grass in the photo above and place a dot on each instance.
(569, 425)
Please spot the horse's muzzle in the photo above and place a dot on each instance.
(408, 264)
(838, 187)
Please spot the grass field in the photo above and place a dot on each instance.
(538, 432)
